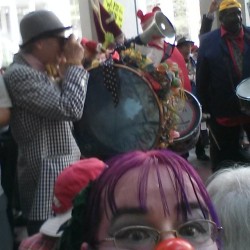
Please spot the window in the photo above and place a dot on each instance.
(11, 15)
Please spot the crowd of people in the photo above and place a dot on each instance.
(141, 199)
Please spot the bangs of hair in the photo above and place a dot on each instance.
(174, 164)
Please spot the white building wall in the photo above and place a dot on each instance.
(194, 19)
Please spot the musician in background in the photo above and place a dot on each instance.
(223, 62)
(168, 51)
(43, 110)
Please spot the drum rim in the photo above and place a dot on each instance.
(237, 89)
(194, 131)
(243, 98)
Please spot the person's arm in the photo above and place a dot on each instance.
(207, 19)
(36, 93)
(206, 24)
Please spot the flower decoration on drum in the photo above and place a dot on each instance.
(166, 82)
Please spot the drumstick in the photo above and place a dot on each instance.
(213, 136)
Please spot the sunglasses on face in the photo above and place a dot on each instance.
(61, 40)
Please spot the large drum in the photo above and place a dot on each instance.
(243, 93)
(189, 119)
(107, 129)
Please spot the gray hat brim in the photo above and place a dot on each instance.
(46, 34)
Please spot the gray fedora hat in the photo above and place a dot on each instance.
(39, 24)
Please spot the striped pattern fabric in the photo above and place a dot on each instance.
(41, 124)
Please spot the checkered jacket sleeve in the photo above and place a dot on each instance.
(35, 92)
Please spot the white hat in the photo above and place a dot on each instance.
(51, 227)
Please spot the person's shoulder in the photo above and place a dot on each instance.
(207, 37)
(210, 34)
(17, 71)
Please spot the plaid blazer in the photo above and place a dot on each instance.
(41, 124)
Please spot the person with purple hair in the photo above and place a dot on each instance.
(141, 199)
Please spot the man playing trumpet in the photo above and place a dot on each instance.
(42, 112)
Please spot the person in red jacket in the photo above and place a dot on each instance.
(169, 51)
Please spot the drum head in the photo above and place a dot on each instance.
(243, 94)
(243, 89)
(105, 129)
(189, 118)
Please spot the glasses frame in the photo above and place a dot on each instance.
(215, 232)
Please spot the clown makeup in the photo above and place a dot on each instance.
(157, 197)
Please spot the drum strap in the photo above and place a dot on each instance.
(110, 79)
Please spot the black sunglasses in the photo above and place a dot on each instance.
(61, 40)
